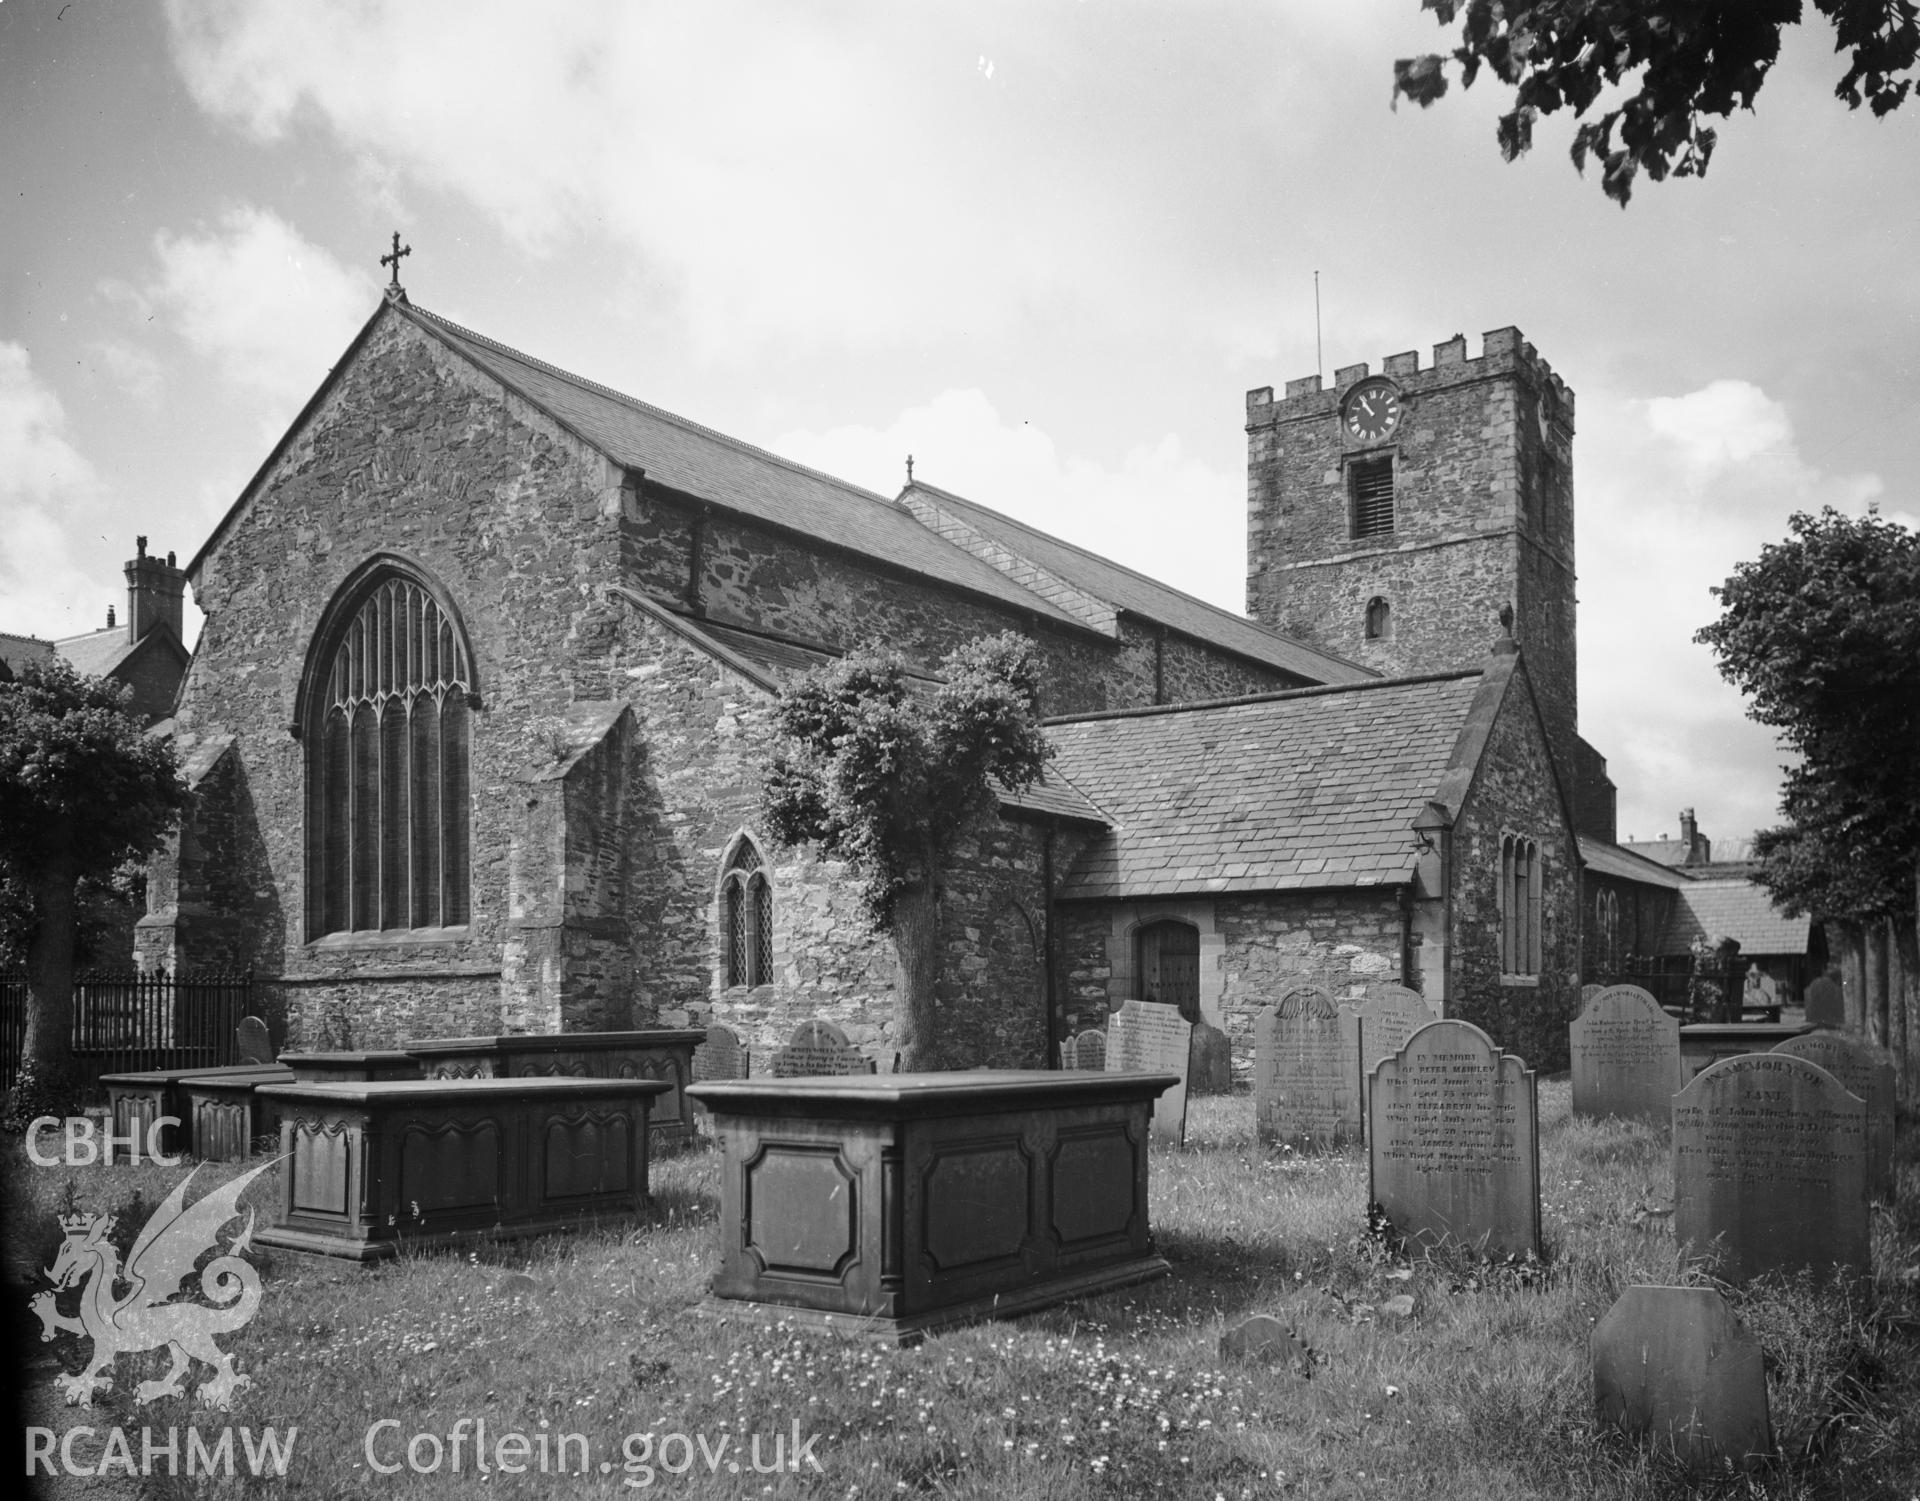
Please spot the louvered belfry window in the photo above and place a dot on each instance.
(387, 781)
(746, 919)
(1370, 489)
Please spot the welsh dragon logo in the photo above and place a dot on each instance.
(146, 1317)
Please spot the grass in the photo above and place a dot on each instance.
(1440, 1377)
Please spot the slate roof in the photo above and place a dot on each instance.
(97, 653)
(1150, 599)
(1660, 851)
(1629, 865)
(17, 651)
(1317, 787)
(1735, 909)
(698, 461)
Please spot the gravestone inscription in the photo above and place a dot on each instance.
(1453, 1133)
(1306, 1071)
(1770, 1168)
(818, 1047)
(1158, 1039)
(1626, 1057)
(1865, 1071)
(1674, 1364)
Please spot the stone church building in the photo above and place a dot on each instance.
(477, 719)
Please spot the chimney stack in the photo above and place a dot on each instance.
(155, 591)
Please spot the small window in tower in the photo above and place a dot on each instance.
(1370, 489)
(1379, 619)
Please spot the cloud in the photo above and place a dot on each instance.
(1160, 511)
(848, 174)
(1674, 492)
(134, 370)
(44, 480)
(269, 309)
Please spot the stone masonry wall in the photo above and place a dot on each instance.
(411, 452)
(1343, 939)
(1514, 791)
(1483, 516)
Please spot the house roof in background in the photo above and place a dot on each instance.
(17, 651)
(97, 653)
(1612, 860)
(1741, 910)
(1660, 851)
(1313, 788)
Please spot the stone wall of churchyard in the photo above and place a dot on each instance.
(1514, 792)
(411, 452)
(1252, 950)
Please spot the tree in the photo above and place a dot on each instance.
(889, 778)
(1822, 632)
(82, 790)
(1694, 60)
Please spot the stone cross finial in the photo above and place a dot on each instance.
(393, 260)
(909, 468)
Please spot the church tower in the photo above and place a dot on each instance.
(1391, 518)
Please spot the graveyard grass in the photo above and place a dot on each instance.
(1440, 1377)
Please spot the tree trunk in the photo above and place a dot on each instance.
(1903, 1014)
(1853, 978)
(1876, 982)
(48, 1082)
(916, 952)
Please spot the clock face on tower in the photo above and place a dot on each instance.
(1371, 411)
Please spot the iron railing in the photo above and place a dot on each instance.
(124, 1022)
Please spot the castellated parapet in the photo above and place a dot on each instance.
(1477, 471)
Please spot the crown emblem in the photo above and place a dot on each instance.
(78, 1224)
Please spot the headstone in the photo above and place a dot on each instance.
(1674, 1364)
(1826, 1003)
(1453, 1129)
(1865, 1071)
(1086, 1051)
(255, 1045)
(1265, 1338)
(1770, 1168)
(1306, 1072)
(1626, 1057)
(1210, 1061)
(818, 1047)
(1143, 1035)
(1389, 1016)
(720, 1057)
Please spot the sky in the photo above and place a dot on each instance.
(1045, 246)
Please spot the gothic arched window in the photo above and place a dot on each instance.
(746, 918)
(388, 704)
(1520, 906)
